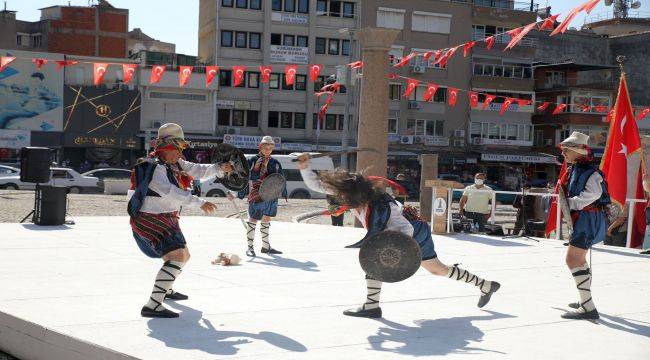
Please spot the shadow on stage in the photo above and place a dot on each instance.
(194, 332)
(45, 228)
(433, 337)
(612, 250)
(274, 260)
(620, 323)
(487, 240)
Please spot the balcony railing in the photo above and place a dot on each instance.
(505, 38)
(609, 15)
(503, 4)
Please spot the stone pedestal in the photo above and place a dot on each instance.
(429, 171)
(438, 190)
(373, 107)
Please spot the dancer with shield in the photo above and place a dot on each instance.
(397, 242)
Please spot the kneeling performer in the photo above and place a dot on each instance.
(378, 211)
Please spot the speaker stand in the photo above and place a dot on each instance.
(37, 197)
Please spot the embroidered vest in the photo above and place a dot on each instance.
(580, 174)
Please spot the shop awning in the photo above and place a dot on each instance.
(528, 157)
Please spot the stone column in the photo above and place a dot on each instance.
(429, 171)
(373, 105)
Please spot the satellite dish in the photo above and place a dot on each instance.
(636, 5)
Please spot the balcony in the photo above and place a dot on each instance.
(503, 4)
(504, 39)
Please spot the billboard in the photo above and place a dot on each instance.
(31, 98)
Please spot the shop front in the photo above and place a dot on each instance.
(512, 169)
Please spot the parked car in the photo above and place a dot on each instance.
(61, 177)
(122, 176)
(296, 188)
(8, 171)
(501, 198)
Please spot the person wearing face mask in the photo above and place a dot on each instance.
(160, 185)
(475, 205)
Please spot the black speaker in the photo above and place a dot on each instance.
(35, 164)
(50, 205)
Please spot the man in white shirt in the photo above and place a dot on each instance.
(160, 185)
(475, 202)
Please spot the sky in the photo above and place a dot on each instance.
(177, 21)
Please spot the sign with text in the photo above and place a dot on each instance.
(246, 142)
(290, 18)
(534, 159)
(486, 141)
(289, 54)
(14, 139)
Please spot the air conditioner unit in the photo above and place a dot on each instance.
(419, 69)
(459, 133)
(233, 131)
(406, 140)
(414, 105)
(419, 139)
(477, 141)
(459, 143)
(548, 142)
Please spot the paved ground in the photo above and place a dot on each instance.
(83, 285)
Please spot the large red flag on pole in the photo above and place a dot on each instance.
(551, 220)
(622, 142)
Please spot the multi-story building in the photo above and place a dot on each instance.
(279, 32)
(99, 30)
(139, 41)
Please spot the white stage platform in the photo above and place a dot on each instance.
(75, 292)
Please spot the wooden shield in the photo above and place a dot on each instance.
(237, 180)
(564, 207)
(390, 256)
(272, 187)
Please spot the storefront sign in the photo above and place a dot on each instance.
(436, 141)
(203, 143)
(393, 138)
(14, 139)
(118, 142)
(290, 18)
(246, 142)
(518, 158)
(486, 141)
(289, 54)
(242, 105)
(225, 104)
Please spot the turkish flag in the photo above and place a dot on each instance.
(558, 109)
(127, 72)
(642, 114)
(290, 74)
(405, 60)
(427, 55)
(514, 32)
(520, 35)
(588, 6)
(210, 73)
(431, 91)
(586, 108)
(622, 142)
(60, 64)
(445, 58)
(544, 106)
(157, 73)
(39, 62)
(184, 73)
(506, 104)
(99, 70)
(5, 61)
(467, 47)
(524, 102)
(453, 96)
(549, 23)
(238, 75)
(551, 219)
(356, 65)
(473, 98)
(392, 76)
(265, 70)
(314, 71)
(410, 87)
(489, 42)
(488, 100)
(437, 55)
(601, 108)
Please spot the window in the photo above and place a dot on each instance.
(37, 41)
(226, 38)
(225, 77)
(252, 118)
(254, 40)
(289, 40)
(418, 95)
(333, 48)
(274, 118)
(226, 3)
(59, 174)
(240, 39)
(177, 96)
(395, 54)
(286, 120)
(431, 23)
(330, 121)
(390, 18)
(290, 5)
(434, 128)
(223, 117)
(341, 122)
(286, 86)
(238, 118)
(302, 41)
(274, 81)
(319, 83)
(345, 47)
(335, 8)
(301, 82)
(256, 4)
(276, 5)
(303, 6)
(253, 79)
(555, 78)
(242, 4)
(299, 120)
(348, 9)
(392, 126)
(320, 45)
(276, 39)
(321, 7)
(394, 92)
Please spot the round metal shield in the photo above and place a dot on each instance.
(272, 187)
(390, 256)
(238, 178)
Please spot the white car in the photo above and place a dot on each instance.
(115, 180)
(296, 188)
(61, 177)
(8, 171)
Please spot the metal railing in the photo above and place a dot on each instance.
(505, 38)
(608, 15)
(503, 4)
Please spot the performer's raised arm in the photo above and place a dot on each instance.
(309, 176)
(162, 186)
(202, 171)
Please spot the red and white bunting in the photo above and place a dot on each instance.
(431, 91)
(266, 70)
(488, 100)
(314, 71)
(473, 98)
(405, 60)
(39, 62)
(506, 104)
(99, 70)
(524, 102)
(520, 35)
(601, 108)
(559, 109)
(210, 73)
(128, 70)
(238, 75)
(549, 23)
(157, 72)
(453, 96)
(445, 58)
(489, 42)
(411, 84)
(467, 47)
(544, 106)
(290, 74)
(356, 65)
(642, 114)
(184, 73)
(5, 61)
(427, 55)
(60, 64)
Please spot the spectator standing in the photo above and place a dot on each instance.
(334, 209)
(525, 206)
(475, 202)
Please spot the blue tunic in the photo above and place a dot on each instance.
(256, 207)
(590, 223)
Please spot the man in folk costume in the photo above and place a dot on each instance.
(378, 211)
(261, 165)
(160, 185)
(587, 197)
